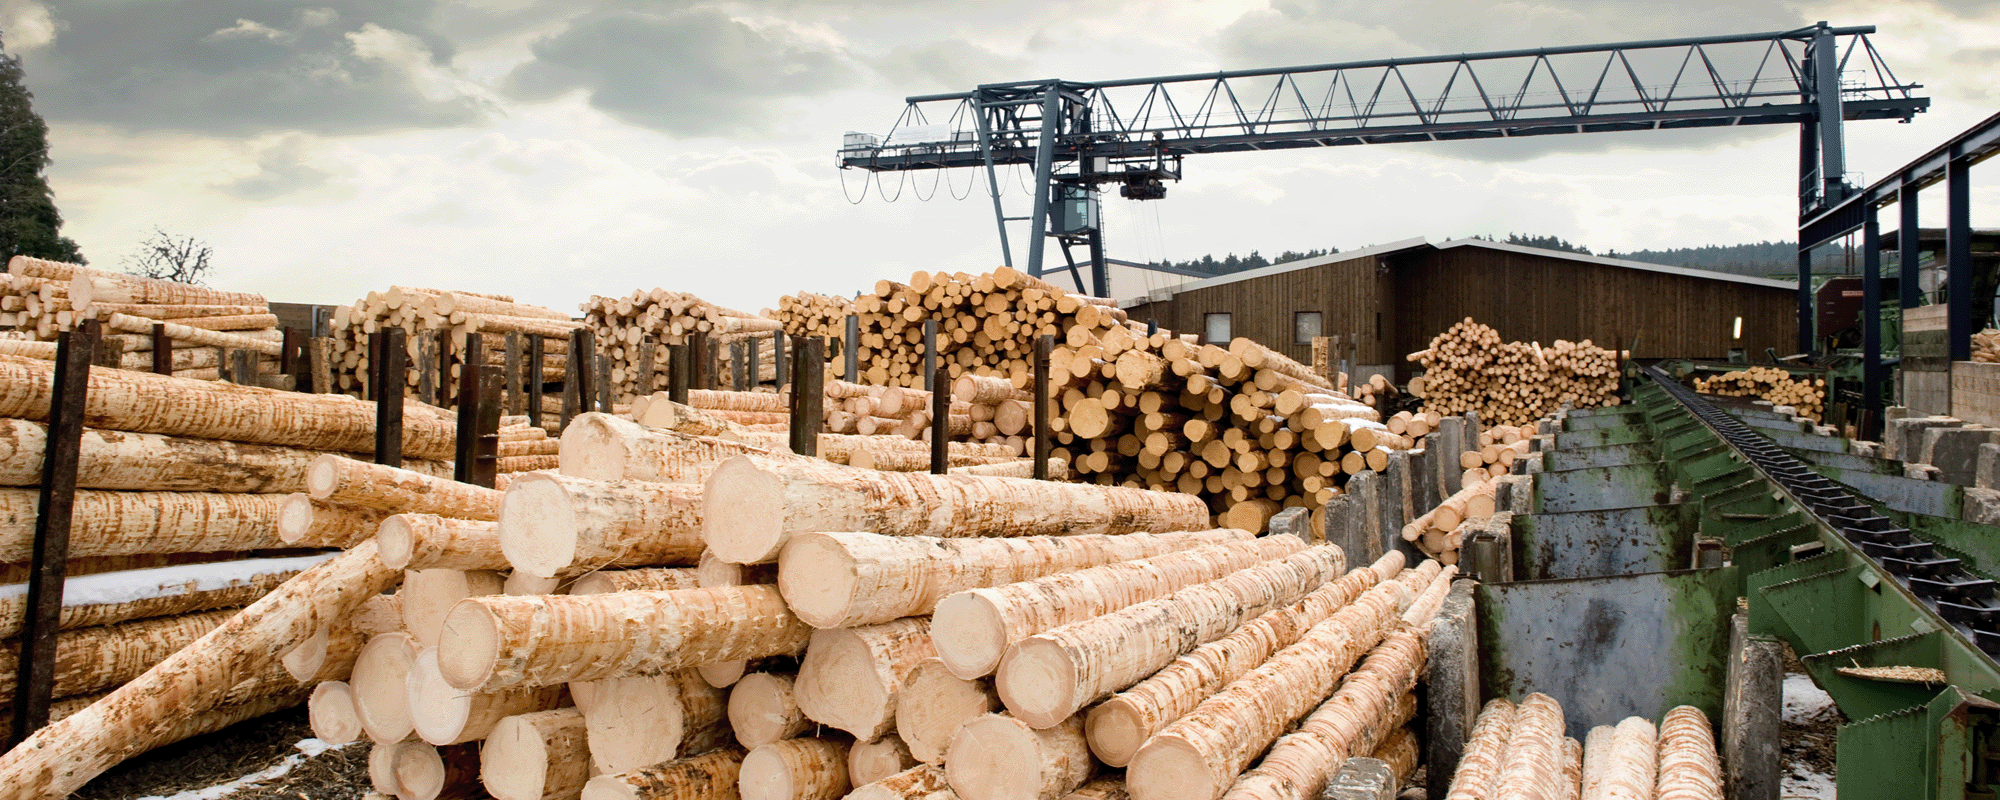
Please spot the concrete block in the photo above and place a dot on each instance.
(1955, 452)
(1448, 440)
(1488, 552)
(1982, 506)
(1865, 449)
(1528, 464)
(1752, 706)
(1986, 467)
(1364, 524)
(1362, 778)
(1895, 412)
(1451, 683)
(1295, 521)
(1905, 437)
(1919, 471)
(1514, 493)
(1424, 487)
(1394, 505)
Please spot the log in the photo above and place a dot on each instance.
(868, 762)
(429, 594)
(88, 288)
(974, 628)
(1631, 768)
(536, 756)
(330, 712)
(380, 686)
(179, 694)
(428, 541)
(130, 523)
(491, 643)
(640, 720)
(550, 523)
(758, 502)
(1534, 751)
(795, 769)
(763, 709)
(922, 782)
(850, 677)
(934, 704)
(151, 462)
(136, 401)
(646, 578)
(179, 312)
(1052, 675)
(1118, 726)
(607, 448)
(91, 660)
(442, 714)
(710, 776)
(359, 483)
(424, 771)
(838, 580)
(996, 757)
(114, 597)
(1200, 754)
(1689, 766)
(180, 332)
(1479, 765)
(1371, 703)
(304, 522)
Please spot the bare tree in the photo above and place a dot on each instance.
(183, 259)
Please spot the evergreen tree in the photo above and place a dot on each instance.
(29, 222)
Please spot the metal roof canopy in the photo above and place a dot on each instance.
(1137, 130)
(1949, 163)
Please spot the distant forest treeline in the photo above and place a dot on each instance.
(1756, 258)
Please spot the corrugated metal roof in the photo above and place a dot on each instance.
(1620, 262)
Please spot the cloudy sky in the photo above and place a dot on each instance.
(555, 150)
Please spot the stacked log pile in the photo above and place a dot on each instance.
(1807, 395)
(426, 315)
(1520, 751)
(1470, 367)
(48, 297)
(808, 314)
(986, 323)
(1246, 428)
(1986, 346)
(626, 328)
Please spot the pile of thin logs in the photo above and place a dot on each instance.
(49, 297)
(634, 330)
(1470, 368)
(896, 422)
(808, 314)
(1985, 346)
(436, 323)
(1246, 428)
(171, 521)
(1520, 751)
(1780, 387)
(986, 323)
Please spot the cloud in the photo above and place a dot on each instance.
(245, 67)
(953, 65)
(27, 25)
(283, 169)
(688, 72)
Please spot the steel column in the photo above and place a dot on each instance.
(1871, 311)
(993, 182)
(1038, 231)
(1958, 259)
(1826, 90)
(1909, 247)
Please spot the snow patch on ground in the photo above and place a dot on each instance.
(1804, 700)
(307, 748)
(146, 584)
(1808, 784)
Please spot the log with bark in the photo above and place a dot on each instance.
(795, 769)
(997, 757)
(639, 720)
(764, 708)
(536, 756)
(850, 677)
(357, 483)
(128, 523)
(550, 523)
(934, 704)
(710, 775)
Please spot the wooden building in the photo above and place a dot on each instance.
(1389, 300)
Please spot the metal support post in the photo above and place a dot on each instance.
(781, 376)
(511, 367)
(756, 371)
(577, 389)
(1958, 259)
(680, 362)
(603, 384)
(1044, 345)
(648, 369)
(34, 683)
(808, 393)
(1805, 300)
(293, 360)
(993, 183)
(1871, 312)
(163, 350)
(1909, 246)
(389, 365)
(701, 361)
(1038, 225)
(466, 445)
(940, 425)
(537, 358)
(737, 362)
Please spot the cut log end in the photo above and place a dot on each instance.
(1115, 731)
(381, 674)
(723, 674)
(438, 710)
(969, 635)
(538, 531)
(592, 449)
(395, 542)
(743, 519)
(474, 646)
(816, 576)
(1170, 767)
(331, 713)
(1038, 682)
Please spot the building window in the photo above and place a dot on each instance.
(1215, 328)
(1305, 327)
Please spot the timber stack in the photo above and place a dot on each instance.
(1986, 346)
(48, 297)
(1780, 387)
(436, 323)
(808, 314)
(1470, 368)
(634, 330)
(1519, 750)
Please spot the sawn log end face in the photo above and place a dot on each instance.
(538, 525)
(744, 512)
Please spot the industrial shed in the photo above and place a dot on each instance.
(1391, 299)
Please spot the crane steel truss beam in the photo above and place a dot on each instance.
(1716, 81)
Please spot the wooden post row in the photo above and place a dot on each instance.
(779, 374)
(466, 445)
(808, 393)
(34, 690)
(940, 422)
(537, 352)
(931, 356)
(163, 350)
(680, 362)
(1044, 345)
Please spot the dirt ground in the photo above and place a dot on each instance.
(243, 749)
